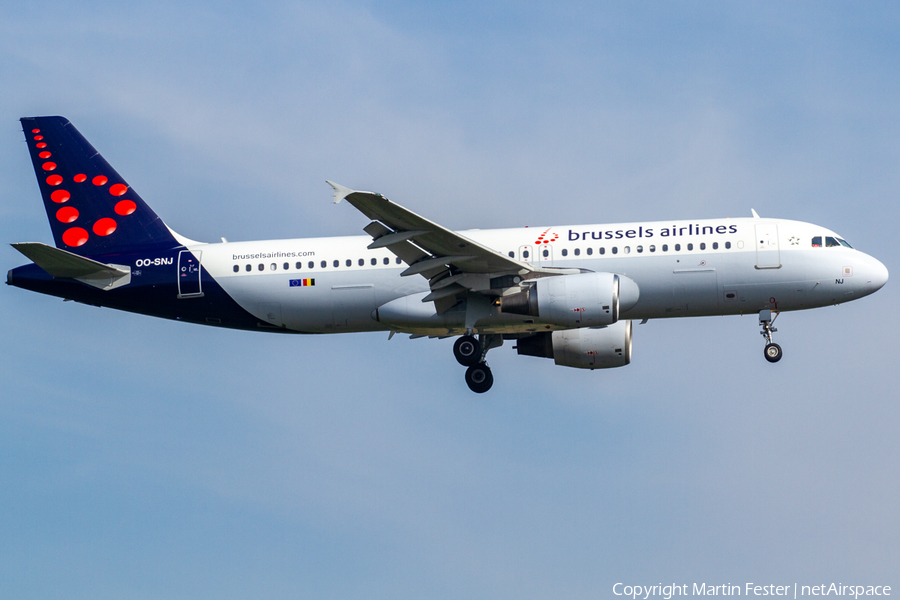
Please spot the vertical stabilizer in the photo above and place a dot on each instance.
(92, 209)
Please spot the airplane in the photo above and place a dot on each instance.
(569, 292)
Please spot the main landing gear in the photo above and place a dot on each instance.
(772, 351)
(470, 352)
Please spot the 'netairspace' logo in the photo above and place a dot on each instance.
(666, 592)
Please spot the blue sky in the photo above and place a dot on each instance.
(146, 459)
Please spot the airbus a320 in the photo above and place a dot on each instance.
(569, 293)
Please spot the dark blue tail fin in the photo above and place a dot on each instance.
(92, 210)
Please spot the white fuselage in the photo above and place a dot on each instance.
(683, 268)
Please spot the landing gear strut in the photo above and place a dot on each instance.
(772, 351)
(470, 352)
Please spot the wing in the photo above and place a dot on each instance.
(451, 262)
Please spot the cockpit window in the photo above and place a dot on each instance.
(817, 241)
(844, 243)
(831, 242)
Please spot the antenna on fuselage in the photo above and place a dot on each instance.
(755, 215)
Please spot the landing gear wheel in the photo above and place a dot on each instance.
(479, 378)
(467, 351)
(773, 352)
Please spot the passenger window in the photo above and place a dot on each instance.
(249, 268)
(577, 251)
(715, 245)
(336, 263)
(311, 265)
(236, 268)
(602, 251)
(690, 247)
(677, 247)
(525, 254)
(727, 245)
(665, 248)
(830, 242)
(546, 253)
(299, 265)
(512, 254)
(615, 249)
(323, 264)
(387, 261)
(287, 266)
(652, 248)
(374, 261)
(817, 241)
(565, 252)
(590, 251)
(627, 249)
(349, 263)
(273, 267)
(362, 262)
(262, 267)
(397, 260)
(640, 249)
(703, 246)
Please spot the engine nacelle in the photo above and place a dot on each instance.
(583, 300)
(600, 348)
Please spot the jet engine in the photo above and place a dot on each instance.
(583, 300)
(585, 348)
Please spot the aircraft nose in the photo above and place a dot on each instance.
(878, 275)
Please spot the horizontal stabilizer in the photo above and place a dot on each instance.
(60, 263)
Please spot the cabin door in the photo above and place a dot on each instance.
(189, 274)
(767, 254)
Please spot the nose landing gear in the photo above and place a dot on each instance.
(470, 352)
(772, 351)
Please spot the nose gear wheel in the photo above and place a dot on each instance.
(772, 351)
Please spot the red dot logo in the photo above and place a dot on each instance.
(80, 178)
(60, 196)
(49, 166)
(104, 227)
(552, 238)
(41, 145)
(125, 207)
(67, 214)
(35, 131)
(99, 180)
(45, 154)
(118, 189)
(54, 180)
(74, 237)
(38, 138)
